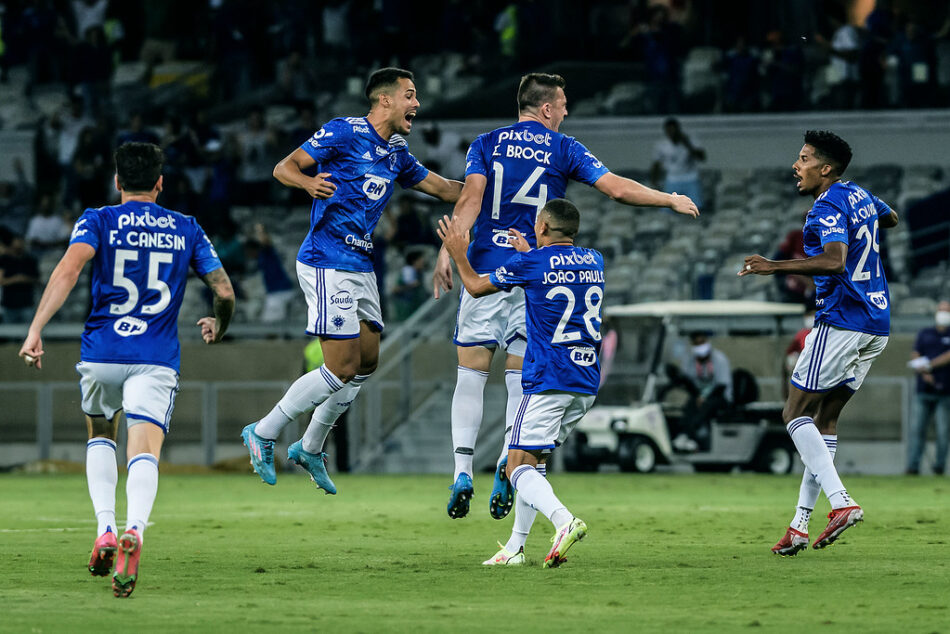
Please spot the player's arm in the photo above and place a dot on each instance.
(290, 172)
(439, 187)
(213, 328)
(888, 220)
(467, 208)
(829, 262)
(455, 240)
(61, 283)
(630, 192)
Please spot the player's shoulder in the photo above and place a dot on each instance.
(398, 142)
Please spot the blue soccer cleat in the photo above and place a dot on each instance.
(262, 454)
(462, 492)
(315, 464)
(502, 493)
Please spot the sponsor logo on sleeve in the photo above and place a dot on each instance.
(77, 231)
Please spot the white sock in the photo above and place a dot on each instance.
(817, 459)
(325, 416)
(467, 416)
(102, 475)
(140, 490)
(524, 518)
(537, 492)
(513, 383)
(306, 393)
(809, 491)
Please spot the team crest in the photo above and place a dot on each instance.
(338, 322)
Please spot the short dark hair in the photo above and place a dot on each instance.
(383, 79)
(138, 166)
(565, 217)
(537, 89)
(830, 147)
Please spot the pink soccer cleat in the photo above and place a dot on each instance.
(127, 565)
(103, 554)
(838, 521)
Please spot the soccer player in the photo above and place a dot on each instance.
(349, 168)
(851, 325)
(140, 255)
(564, 291)
(510, 174)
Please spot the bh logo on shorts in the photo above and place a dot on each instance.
(878, 299)
(342, 300)
(129, 326)
(583, 356)
(375, 186)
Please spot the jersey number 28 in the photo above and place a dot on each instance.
(593, 298)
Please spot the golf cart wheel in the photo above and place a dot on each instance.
(636, 455)
(775, 457)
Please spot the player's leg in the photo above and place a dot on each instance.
(101, 402)
(474, 363)
(502, 493)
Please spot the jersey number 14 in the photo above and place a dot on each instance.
(521, 197)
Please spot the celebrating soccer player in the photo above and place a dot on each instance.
(851, 325)
(349, 168)
(510, 174)
(140, 256)
(564, 291)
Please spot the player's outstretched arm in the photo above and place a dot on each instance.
(888, 221)
(290, 173)
(213, 328)
(830, 262)
(467, 208)
(455, 241)
(61, 283)
(439, 187)
(630, 192)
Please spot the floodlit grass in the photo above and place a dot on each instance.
(675, 553)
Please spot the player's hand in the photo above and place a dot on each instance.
(32, 350)
(517, 240)
(756, 264)
(209, 330)
(454, 239)
(442, 278)
(320, 187)
(684, 205)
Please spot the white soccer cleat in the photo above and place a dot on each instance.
(505, 558)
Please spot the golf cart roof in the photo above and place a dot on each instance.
(706, 308)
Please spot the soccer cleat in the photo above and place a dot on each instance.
(566, 536)
(505, 558)
(127, 564)
(462, 492)
(262, 454)
(791, 543)
(838, 521)
(502, 493)
(103, 554)
(315, 464)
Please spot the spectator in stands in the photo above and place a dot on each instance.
(843, 71)
(255, 146)
(444, 152)
(90, 170)
(67, 125)
(658, 43)
(44, 36)
(47, 230)
(19, 274)
(741, 65)
(707, 377)
(930, 359)
(295, 80)
(304, 126)
(92, 58)
(784, 69)
(410, 292)
(878, 33)
(16, 200)
(795, 289)
(278, 290)
(675, 161)
(916, 65)
(88, 14)
(136, 132)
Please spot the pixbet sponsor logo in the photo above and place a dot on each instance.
(146, 220)
(569, 259)
(129, 326)
(527, 136)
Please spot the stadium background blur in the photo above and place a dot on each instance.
(228, 87)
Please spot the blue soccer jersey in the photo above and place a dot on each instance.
(526, 165)
(364, 167)
(856, 299)
(564, 292)
(143, 252)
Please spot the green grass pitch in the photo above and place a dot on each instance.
(665, 553)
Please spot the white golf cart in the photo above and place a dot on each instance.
(629, 424)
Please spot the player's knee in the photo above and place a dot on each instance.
(101, 427)
(367, 367)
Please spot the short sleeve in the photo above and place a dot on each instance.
(828, 222)
(475, 159)
(883, 209)
(327, 142)
(411, 171)
(511, 274)
(204, 258)
(87, 229)
(585, 167)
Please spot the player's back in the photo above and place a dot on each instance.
(143, 253)
(856, 299)
(526, 164)
(564, 290)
